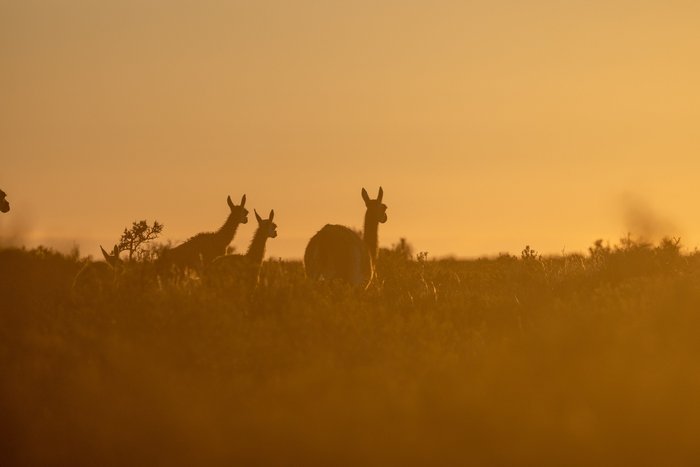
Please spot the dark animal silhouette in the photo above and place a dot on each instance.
(4, 204)
(337, 252)
(201, 249)
(96, 279)
(245, 269)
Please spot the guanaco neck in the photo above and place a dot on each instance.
(227, 231)
(256, 250)
(370, 235)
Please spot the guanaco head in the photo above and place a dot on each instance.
(375, 207)
(268, 227)
(112, 259)
(4, 204)
(239, 211)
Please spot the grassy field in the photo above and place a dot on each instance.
(570, 360)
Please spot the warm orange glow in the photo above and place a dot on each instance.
(534, 128)
(489, 124)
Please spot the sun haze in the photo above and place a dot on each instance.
(371, 163)
(489, 124)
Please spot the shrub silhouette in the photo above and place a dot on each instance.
(133, 240)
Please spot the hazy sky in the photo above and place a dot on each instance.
(490, 124)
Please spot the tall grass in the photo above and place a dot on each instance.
(568, 360)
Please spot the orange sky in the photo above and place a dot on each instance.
(490, 125)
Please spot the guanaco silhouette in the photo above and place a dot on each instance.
(337, 252)
(201, 249)
(245, 269)
(4, 204)
(97, 279)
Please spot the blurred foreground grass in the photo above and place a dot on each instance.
(568, 360)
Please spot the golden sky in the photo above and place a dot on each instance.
(490, 124)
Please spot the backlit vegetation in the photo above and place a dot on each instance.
(529, 360)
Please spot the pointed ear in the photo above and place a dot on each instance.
(272, 214)
(114, 259)
(257, 216)
(105, 254)
(243, 201)
(365, 196)
(230, 203)
(380, 195)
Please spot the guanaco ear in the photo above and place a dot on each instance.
(365, 196)
(272, 214)
(243, 201)
(380, 195)
(105, 254)
(115, 251)
(230, 203)
(257, 216)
